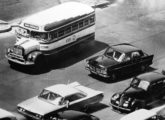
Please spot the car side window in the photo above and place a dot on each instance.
(74, 97)
(157, 86)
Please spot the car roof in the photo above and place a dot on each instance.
(151, 76)
(71, 114)
(125, 47)
(140, 114)
(161, 112)
(62, 89)
(5, 113)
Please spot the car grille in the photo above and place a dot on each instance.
(95, 69)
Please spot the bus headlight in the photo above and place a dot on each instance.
(31, 57)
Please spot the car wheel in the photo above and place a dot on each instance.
(85, 108)
(113, 76)
(143, 68)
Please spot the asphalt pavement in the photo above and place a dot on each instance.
(115, 23)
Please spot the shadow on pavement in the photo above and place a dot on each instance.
(120, 77)
(67, 59)
(97, 107)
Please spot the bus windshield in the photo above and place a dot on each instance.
(33, 34)
(39, 35)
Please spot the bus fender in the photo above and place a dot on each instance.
(34, 55)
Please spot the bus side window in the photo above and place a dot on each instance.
(54, 35)
(86, 22)
(74, 26)
(92, 19)
(60, 33)
(67, 30)
(80, 24)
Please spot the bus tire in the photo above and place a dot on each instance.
(40, 64)
(12, 64)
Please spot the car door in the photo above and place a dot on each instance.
(136, 61)
(76, 101)
(124, 66)
(156, 90)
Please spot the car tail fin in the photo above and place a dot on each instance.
(74, 84)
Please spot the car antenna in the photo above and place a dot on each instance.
(68, 82)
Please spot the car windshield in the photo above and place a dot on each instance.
(141, 84)
(116, 55)
(48, 95)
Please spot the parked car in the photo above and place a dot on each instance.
(141, 114)
(75, 115)
(119, 59)
(143, 90)
(6, 115)
(59, 97)
(157, 113)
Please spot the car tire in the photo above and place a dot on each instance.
(85, 108)
(113, 76)
(143, 68)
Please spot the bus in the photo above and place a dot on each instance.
(51, 31)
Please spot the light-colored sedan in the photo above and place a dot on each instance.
(6, 115)
(57, 98)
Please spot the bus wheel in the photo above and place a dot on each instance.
(12, 64)
(40, 64)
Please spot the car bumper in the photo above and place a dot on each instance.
(96, 73)
(17, 60)
(28, 115)
(120, 108)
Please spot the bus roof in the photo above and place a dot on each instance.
(52, 17)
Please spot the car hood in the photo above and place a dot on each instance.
(103, 61)
(38, 105)
(136, 93)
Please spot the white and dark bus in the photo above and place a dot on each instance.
(52, 31)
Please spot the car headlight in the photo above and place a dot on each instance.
(38, 116)
(116, 96)
(125, 104)
(104, 71)
(21, 109)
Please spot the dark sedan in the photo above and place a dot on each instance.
(119, 59)
(143, 90)
(75, 115)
